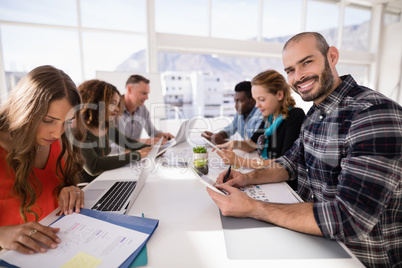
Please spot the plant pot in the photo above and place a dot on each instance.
(197, 156)
(204, 170)
(200, 161)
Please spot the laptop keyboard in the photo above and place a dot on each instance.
(115, 198)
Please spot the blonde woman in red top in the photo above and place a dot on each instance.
(39, 169)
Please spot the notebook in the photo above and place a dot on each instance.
(180, 138)
(119, 193)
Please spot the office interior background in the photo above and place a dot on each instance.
(195, 51)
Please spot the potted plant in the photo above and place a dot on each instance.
(200, 157)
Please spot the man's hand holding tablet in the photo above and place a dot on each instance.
(206, 181)
(213, 145)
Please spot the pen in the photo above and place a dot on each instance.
(227, 174)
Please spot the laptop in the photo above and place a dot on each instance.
(119, 193)
(180, 138)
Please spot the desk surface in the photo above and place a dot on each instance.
(190, 231)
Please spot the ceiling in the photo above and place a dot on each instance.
(397, 4)
(391, 5)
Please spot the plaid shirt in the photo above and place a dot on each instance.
(348, 160)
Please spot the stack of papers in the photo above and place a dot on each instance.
(91, 239)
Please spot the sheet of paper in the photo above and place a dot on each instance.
(271, 192)
(86, 241)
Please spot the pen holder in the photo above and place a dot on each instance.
(200, 159)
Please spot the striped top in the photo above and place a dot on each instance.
(348, 161)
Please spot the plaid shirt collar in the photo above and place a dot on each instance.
(332, 101)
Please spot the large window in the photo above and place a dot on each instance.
(356, 29)
(60, 12)
(281, 19)
(391, 18)
(117, 14)
(323, 17)
(25, 48)
(235, 19)
(111, 32)
(359, 72)
(111, 52)
(182, 17)
(231, 69)
(85, 36)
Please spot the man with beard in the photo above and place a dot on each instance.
(348, 161)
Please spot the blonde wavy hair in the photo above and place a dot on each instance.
(20, 116)
(273, 82)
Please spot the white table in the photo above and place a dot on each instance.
(190, 231)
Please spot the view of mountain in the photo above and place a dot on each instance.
(233, 69)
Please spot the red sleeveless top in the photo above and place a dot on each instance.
(45, 203)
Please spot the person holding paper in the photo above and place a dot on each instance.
(246, 121)
(278, 131)
(39, 167)
(347, 160)
(101, 106)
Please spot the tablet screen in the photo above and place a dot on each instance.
(206, 181)
(213, 145)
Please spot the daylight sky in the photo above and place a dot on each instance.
(25, 47)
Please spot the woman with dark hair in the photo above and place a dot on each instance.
(279, 129)
(101, 107)
(39, 167)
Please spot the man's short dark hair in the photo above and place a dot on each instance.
(136, 78)
(322, 44)
(245, 87)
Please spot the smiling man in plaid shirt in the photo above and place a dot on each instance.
(348, 161)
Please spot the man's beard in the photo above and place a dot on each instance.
(326, 84)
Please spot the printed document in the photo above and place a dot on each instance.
(272, 192)
(85, 242)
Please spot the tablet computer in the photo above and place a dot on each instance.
(213, 145)
(206, 181)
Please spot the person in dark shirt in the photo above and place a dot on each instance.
(101, 106)
(279, 129)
